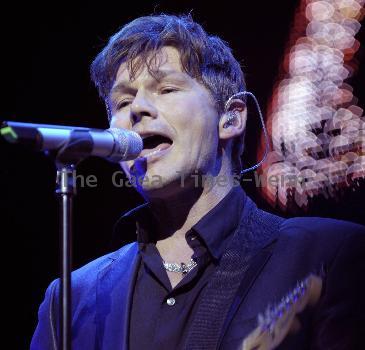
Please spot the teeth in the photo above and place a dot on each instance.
(151, 153)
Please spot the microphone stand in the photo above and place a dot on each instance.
(66, 159)
(65, 192)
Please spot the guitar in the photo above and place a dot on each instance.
(278, 321)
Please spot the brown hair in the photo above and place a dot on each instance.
(204, 57)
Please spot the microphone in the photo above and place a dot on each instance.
(113, 144)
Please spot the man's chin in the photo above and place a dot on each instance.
(157, 186)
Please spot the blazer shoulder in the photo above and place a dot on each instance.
(326, 230)
(323, 225)
(91, 269)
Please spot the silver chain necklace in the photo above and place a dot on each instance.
(181, 268)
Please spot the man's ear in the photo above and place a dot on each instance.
(233, 121)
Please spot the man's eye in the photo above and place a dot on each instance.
(167, 90)
(122, 104)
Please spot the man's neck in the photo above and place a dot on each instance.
(177, 214)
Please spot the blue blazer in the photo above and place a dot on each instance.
(102, 290)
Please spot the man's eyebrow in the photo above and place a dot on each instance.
(158, 75)
(122, 86)
(161, 74)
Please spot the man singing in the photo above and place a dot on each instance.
(207, 261)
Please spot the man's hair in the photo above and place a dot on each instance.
(204, 57)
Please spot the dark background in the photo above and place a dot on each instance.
(46, 53)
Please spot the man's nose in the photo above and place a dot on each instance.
(142, 106)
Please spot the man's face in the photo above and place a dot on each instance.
(176, 117)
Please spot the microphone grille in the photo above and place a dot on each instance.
(128, 144)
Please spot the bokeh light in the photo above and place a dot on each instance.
(316, 128)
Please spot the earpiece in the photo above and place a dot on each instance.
(243, 95)
(231, 117)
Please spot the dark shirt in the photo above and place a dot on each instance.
(161, 315)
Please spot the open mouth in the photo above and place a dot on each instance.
(153, 144)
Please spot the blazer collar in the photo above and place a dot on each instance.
(114, 297)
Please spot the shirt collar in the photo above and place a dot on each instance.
(215, 228)
(218, 225)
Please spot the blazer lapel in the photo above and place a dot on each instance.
(113, 299)
(257, 263)
(261, 235)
